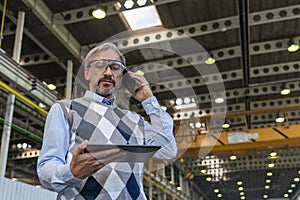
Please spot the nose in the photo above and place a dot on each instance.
(107, 71)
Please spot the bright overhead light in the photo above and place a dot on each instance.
(293, 46)
(99, 13)
(267, 187)
(279, 119)
(41, 105)
(271, 165)
(216, 190)
(144, 17)
(273, 154)
(219, 100)
(232, 157)
(226, 125)
(285, 90)
(269, 174)
(296, 179)
(210, 60)
(51, 86)
(239, 183)
(219, 195)
(265, 196)
(268, 181)
(240, 188)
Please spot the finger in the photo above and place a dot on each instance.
(81, 148)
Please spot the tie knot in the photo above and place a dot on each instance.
(106, 101)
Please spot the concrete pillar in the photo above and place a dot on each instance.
(6, 133)
(19, 36)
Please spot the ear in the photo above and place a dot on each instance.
(87, 74)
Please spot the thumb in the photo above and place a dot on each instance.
(81, 147)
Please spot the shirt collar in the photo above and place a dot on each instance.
(96, 97)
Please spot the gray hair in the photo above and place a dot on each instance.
(102, 47)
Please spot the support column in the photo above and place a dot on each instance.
(19, 36)
(69, 79)
(150, 191)
(6, 133)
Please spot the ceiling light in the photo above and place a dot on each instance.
(210, 60)
(279, 119)
(219, 100)
(268, 181)
(290, 191)
(216, 190)
(144, 17)
(293, 185)
(265, 196)
(226, 125)
(273, 154)
(240, 188)
(242, 193)
(239, 183)
(271, 165)
(269, 174)
(243, 197)
(267, 186)
(141, 2)
(51, 86)
(285, 91)
(286, 195)
(128, 4)
(99, 13)
(293, 46)
(219, 195)
(42, 105)
(232, 157)
(203, 171)
(296, 179)
(208, 179)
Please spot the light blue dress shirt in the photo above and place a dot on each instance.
(54, 161)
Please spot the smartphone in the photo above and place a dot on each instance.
(129, 82)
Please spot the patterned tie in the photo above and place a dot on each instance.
(106, 101)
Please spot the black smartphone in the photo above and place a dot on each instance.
(129, 82)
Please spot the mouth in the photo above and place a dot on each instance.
(106, 81)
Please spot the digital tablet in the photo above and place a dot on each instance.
(134, 153)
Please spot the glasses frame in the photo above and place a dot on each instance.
(123, 67)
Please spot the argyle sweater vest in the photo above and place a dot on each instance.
(102, 124)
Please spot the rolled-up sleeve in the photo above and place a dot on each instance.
(160, 129)
(53, 166)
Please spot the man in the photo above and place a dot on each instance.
(64, 165)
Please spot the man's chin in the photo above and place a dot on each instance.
(106, 92)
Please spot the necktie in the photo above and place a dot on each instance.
(106, 101)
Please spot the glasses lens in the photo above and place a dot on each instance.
(114, 65)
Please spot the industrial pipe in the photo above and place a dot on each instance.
(20, 96)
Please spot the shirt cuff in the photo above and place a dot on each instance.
(149, 103)
(69, 178)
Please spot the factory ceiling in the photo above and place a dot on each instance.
(249, 41)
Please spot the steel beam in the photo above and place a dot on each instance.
(35, 59)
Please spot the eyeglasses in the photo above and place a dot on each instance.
(114, 65)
